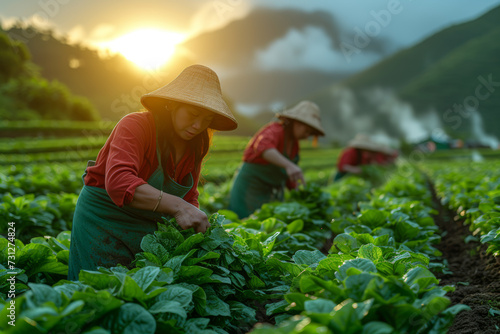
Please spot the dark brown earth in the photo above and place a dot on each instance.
(475, 275)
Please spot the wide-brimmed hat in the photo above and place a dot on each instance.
(199, 86)
(364, 142)
(306, 112)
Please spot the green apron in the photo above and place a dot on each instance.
(255, 185)
(105, 235)
(339, 175)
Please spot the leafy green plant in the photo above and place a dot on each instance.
(182, 283)
(44, 260)
(473, 191)
(37, 216)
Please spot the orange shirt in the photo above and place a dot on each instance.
(128, 159)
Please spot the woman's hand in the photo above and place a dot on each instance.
(187, 215)
(190, 216)
(295, 174)
(292, 170)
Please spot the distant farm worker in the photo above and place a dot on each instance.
(362, 151)
(386, 156)
(148, 169)
(270, 159)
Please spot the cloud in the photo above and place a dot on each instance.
(478, 132)
(309, 48)
(36, 20)
(253, 109)
(251, 85)
(400, 115)
(236, 43)
(248, 109)
(102, 31)
(7, 22)
(76, 34)
(97, 37)
(375, 112)
(216, 14)
(40, 21)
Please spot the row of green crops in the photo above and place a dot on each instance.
(462, 155)
(49, 145)
(51, 128)
(472, 190)
(220, 165)
(300, 208)
(41, 197)
(62, 157)
(43, 137)
(40, 180)
(375, 278)
(37, 216)
(182, 283)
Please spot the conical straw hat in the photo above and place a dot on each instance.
(199, 86)
(365, 143)
(306, 112)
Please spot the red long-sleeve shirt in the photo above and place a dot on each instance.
(128, 159)
(270, 136)
(384, 158)
(354, 157)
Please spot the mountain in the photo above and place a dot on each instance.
(26, 95)
(468, 76)
(244, 53)
(403, 66)
(234, 48)
(111, 83)
(108, 82)
(406, 95)
(236, 43)
(425, 88)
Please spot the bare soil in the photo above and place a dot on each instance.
(475, 275)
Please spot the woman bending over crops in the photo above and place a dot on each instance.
(148, 168)
(362, 151)
(270, 159)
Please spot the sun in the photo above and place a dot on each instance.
(147, 48)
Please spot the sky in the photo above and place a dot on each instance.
(93, 20)
(333, 37)
(380, 27)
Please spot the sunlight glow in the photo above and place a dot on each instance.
(147, 48)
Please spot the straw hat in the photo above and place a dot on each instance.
(365, 143)
(306, 112)
(199, 86)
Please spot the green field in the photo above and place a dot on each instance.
(361, 255)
